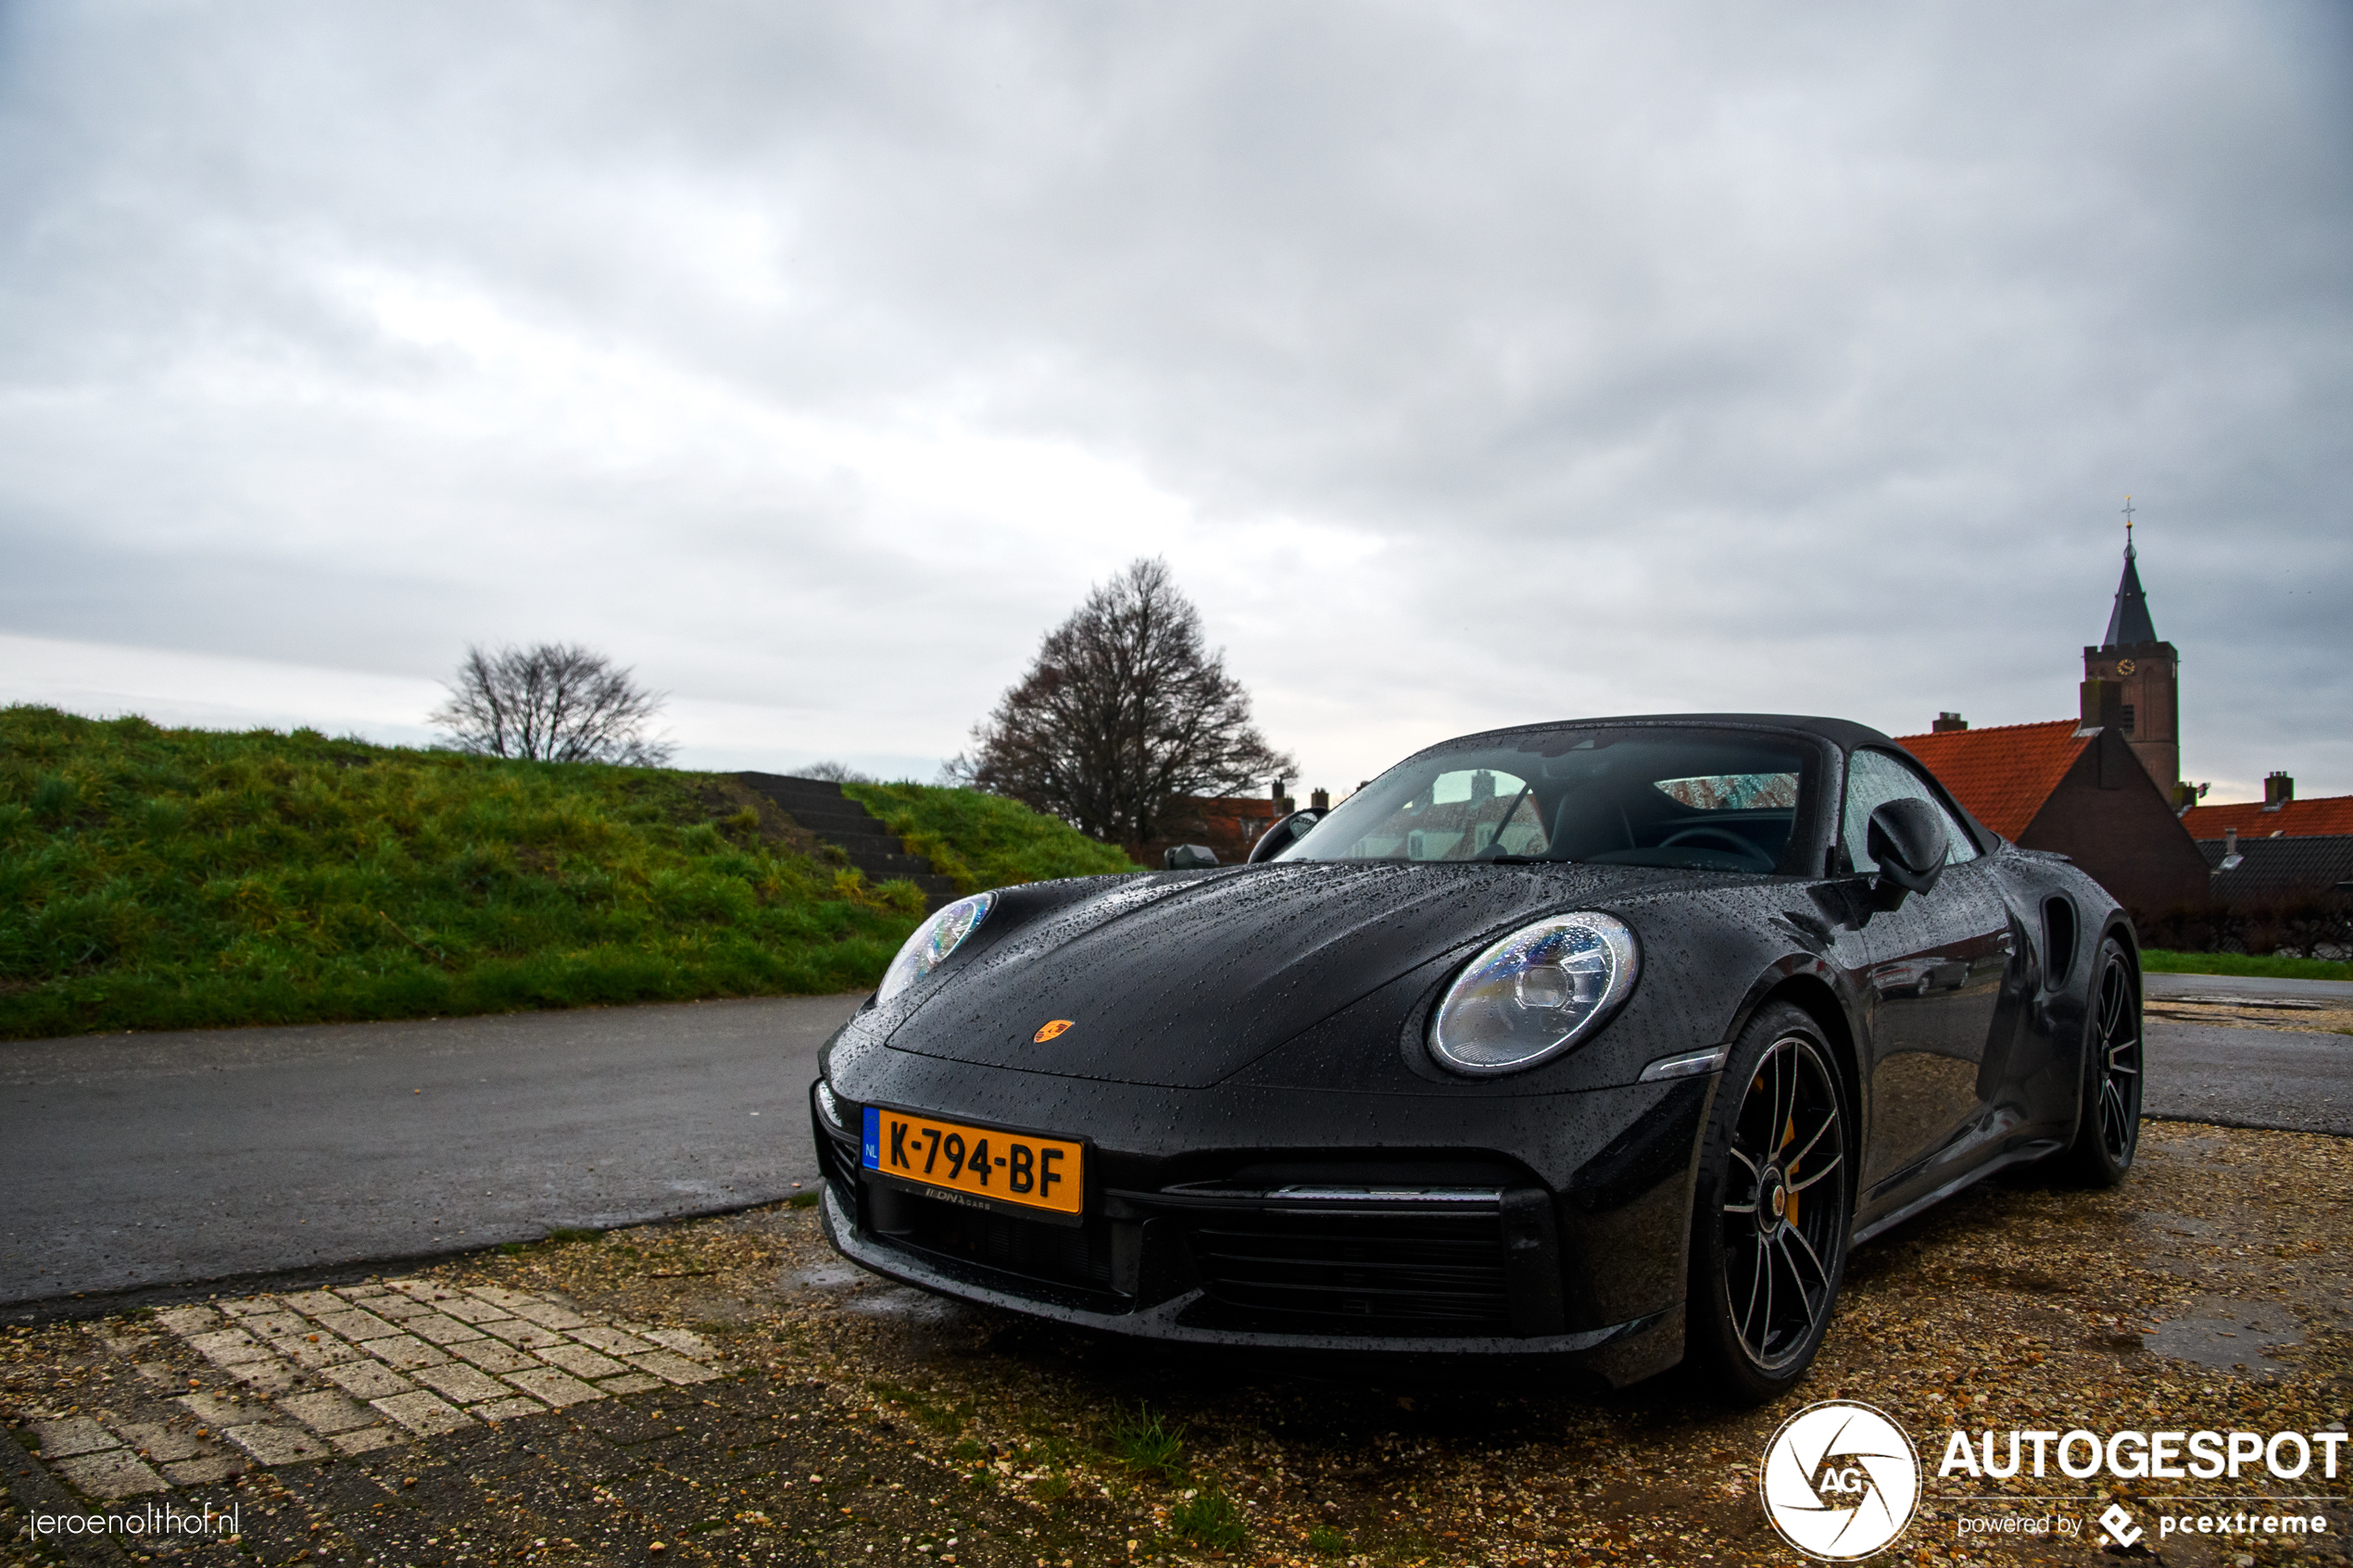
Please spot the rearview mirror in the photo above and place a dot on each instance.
(1283, 834)
(1189, 858)
(1909, 840)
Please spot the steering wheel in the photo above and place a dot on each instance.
(1720, 838)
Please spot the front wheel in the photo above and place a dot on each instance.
(2108, 1123)
(1773, 1208)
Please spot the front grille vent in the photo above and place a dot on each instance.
(1320, 1271)
(1073, 1255)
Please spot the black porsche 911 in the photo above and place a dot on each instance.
(1600, 1040)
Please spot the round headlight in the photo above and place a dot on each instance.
(932, 942)
(1534, 994)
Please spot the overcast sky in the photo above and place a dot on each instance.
(1470, 364)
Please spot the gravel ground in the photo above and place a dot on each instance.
(860, 1422)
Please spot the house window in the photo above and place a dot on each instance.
(2127, 718)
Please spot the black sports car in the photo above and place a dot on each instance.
(1602, 1040)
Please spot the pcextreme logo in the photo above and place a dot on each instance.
(1840, 1480)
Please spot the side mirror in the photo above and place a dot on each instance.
(1283, 834)
(1909, 841)
(1189, 858)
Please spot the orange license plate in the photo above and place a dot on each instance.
(1020, 1168)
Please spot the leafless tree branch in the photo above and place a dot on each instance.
(552, 702)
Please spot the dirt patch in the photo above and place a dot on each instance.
(2228, 1012)
(860, 1422)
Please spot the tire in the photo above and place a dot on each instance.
(1773, 1207)
(2107, 1118)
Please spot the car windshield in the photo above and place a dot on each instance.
(1696, 800)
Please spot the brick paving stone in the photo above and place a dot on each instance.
(581, 1362)
(530, 1336)
(493, 1355)
(465, 1309)
(270, 1376)
(273, 1444)
(77, 1435)
(327, 1411)
(547, 1315)
(404, 1352)
(422, 1412)
(671, 1367)
(204, 1472)
(112, 1473)
(310, 1303)
(319, 1350)
(630, 1383)
(612, 1341)
(558, 1388)
(441, 1330)
(678, 1339)
(216, 1413)
(506, 1410)
(368, 1380)
(498, 1296)
(396, 1308)
(271, 1327)
(188, 1320)
(252, 1306)
(355, 1324)
(461, 1383)
(227, 1347)
(367, 1439)
(157, 1441)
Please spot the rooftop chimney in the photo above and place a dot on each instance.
(1948, 721)
(2278, 790)
(1319, 800)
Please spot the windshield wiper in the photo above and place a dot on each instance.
(1515, 860)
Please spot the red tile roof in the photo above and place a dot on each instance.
(2330, 813)
(2002, 773)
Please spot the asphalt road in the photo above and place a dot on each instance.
(135, 1160)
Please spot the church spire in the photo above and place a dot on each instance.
(2129, 623)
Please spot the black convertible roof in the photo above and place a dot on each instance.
(1845, 733)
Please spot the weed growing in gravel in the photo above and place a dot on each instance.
(1325, 1541)
(1146, 1444)
(1208, 1518)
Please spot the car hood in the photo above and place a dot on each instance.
(1184, 980)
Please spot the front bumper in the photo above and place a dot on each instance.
(1380, 1246)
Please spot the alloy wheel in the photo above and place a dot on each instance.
(1784, 1214)
(2119, 1068)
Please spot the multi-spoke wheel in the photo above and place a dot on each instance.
(1775, 1204)
(2108, 1126)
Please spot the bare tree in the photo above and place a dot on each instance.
(1123, 710)
(552, 702)
(838, 772)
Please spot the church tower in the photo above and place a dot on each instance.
(2130, 679)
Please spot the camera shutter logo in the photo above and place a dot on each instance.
(1840, 1481)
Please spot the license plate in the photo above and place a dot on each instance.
(1019, 1168)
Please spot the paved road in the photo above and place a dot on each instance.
(144, 1160)
(153, 1160)
(2335, 993)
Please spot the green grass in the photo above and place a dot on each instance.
(2156, 961)
(982, 841)
(161, 879)
(1208, 1518)
(1146, 1444)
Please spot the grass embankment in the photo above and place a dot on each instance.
(158, 879)
(982, 841)
(2270, 966)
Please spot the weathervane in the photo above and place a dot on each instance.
(2128, 525)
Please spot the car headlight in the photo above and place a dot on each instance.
(932, 942)
(1534, 994)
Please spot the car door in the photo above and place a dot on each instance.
(1937, 963)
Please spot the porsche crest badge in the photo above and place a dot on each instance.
(1053, 1027)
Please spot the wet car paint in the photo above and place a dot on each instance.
(1251, 1016)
